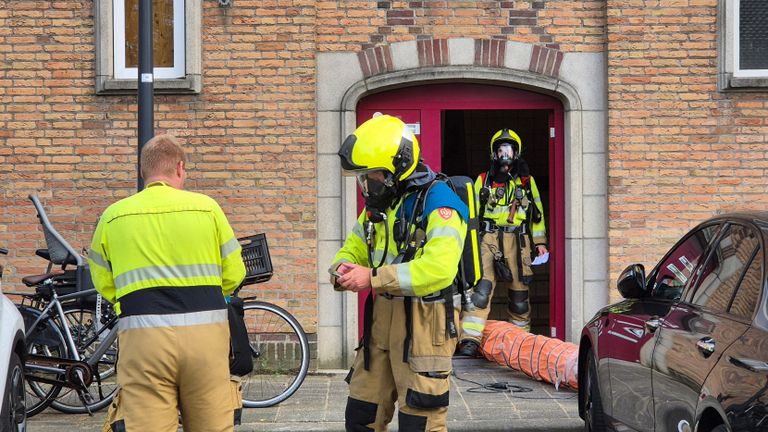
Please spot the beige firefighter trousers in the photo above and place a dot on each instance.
(518, 314)
(419, 386)
(166, 370)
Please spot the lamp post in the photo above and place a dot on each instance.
(146, 82)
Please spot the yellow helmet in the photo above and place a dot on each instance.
(381, 143)
(505, 136)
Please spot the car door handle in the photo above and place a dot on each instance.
(749, 364)
(706, 346)
(652, 324)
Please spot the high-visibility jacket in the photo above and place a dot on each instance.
(165, 250)
(432, 269)
(499, 213)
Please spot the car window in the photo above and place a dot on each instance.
(672, 274)
(746, 297)
(725, 266)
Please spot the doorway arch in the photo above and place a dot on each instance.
(581, 91)
(469, 109)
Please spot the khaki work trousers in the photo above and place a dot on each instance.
(519, 313)
(419, 386)
(164, 370)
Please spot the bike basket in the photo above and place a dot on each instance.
(258, 264)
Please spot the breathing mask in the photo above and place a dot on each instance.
(379, 192)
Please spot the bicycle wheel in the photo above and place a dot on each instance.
(46, 340)
(280, 355)
(82, 325)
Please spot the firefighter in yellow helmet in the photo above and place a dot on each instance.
(166, 258)
(513, 225)
(409, 265)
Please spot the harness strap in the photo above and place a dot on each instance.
(450, 325)
(408, 328)
(367, 326)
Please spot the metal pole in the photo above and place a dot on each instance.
(146, 81)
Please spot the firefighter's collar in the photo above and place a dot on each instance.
(157, 183)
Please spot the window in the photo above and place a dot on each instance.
(744, 302)
(743, 44)
(176, 46)
(725, 268)
(168, 38)
(674, 272)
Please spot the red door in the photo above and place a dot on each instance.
(427, 109)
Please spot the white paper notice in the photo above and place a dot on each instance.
(541, 259)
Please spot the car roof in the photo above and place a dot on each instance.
(759, 218)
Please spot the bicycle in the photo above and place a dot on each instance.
(71, 345)
(69, 352)
(279, 344)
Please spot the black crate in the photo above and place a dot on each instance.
(258, 264)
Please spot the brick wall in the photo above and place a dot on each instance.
(249, 134)
(576, 26)
(677, 146)
(679, 150)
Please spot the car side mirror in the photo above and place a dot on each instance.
(631, 282)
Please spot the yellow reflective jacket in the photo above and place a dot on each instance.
(434, 266)
(174, 247)
(499, 213)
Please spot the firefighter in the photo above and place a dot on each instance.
(409, 266)
(166, 258)
(513, 225)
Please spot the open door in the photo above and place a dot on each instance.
(454, 124)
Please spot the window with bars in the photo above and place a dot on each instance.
(751, 38)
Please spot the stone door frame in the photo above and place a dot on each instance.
(576, 79)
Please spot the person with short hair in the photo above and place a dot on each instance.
(166, 258)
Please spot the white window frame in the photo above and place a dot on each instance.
(190, 81)
(118, 21)
(735, 34)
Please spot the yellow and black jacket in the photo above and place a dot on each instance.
(165, 250)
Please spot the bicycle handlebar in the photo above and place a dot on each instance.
(3, 251)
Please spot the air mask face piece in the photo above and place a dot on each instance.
(505, 155)
(378, 188)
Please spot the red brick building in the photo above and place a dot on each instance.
(639, 117)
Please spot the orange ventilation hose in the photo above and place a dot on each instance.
(540, 357)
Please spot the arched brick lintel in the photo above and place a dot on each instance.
(461, 51)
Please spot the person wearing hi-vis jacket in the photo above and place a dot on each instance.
(409, 267)
(167, 258)
(512, 226)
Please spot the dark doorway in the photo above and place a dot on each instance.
(466, 151)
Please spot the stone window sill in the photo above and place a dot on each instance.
(740, 84)
(191, 84)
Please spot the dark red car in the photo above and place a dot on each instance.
(687, 350)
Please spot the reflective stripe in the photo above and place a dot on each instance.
(446, 231)
(167, 272)
(473, 326)
(99, 260)
(358, 231)
(230, 246)
(172, 320)
(377, 256)
(404, 279)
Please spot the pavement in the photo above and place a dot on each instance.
(319, 405)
